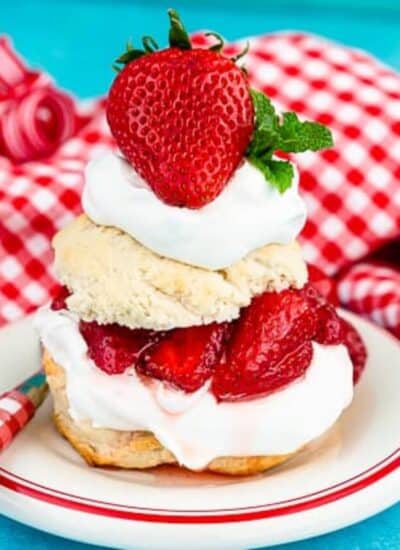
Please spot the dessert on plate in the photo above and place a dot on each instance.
(187, 330)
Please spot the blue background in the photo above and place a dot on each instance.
(76, 42)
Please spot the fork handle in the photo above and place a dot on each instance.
(18, 406)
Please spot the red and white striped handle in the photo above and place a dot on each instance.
(16, 409)
(18, 406)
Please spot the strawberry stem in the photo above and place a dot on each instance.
(178, 37)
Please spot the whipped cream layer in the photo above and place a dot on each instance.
(195, 427)
(248, 214)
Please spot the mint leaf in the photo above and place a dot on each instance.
(266, 129)
(296, 136)
(279, 173)
(282, 173)
(286, 133)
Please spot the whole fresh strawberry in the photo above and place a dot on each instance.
(183, 117)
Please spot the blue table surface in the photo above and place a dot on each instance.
(76, 42)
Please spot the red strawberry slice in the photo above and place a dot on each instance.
(357, 350)
(186, 357)
(183, 119)
(324, 284)
(114, 348)
(293, 365)
(58, 302)
(333, 330)
(259, 357)
(268, 347)
(329, 326)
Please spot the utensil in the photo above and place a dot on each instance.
(19, 405)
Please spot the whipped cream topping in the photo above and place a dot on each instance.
(248, 214)
(195, 427)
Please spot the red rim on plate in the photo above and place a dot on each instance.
(112, 510)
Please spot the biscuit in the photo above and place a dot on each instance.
(114, 279)
(131, 450)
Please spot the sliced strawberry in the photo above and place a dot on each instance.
(324, 284)
(273, 324)
(185, 357)
(270, 329)
(333, 330)
(268, 347)
(357, 350)
(59, 299)
(114, 348)
(329, 326)
(293, 365)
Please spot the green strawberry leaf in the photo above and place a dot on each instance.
(130, 55)
(178, 37)
(149, 44)
(286, 133)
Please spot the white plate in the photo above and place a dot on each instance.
(349, 474)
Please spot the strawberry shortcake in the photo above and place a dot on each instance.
(187, 329)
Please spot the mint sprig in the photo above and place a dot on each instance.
(286, 133)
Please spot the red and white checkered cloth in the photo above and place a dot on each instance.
(373, 290)
(16, 409)
(352, 191)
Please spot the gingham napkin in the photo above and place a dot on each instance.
(373, 290)
(352, 191)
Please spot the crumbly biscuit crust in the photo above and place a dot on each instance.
(131, 450)
(114, 279)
